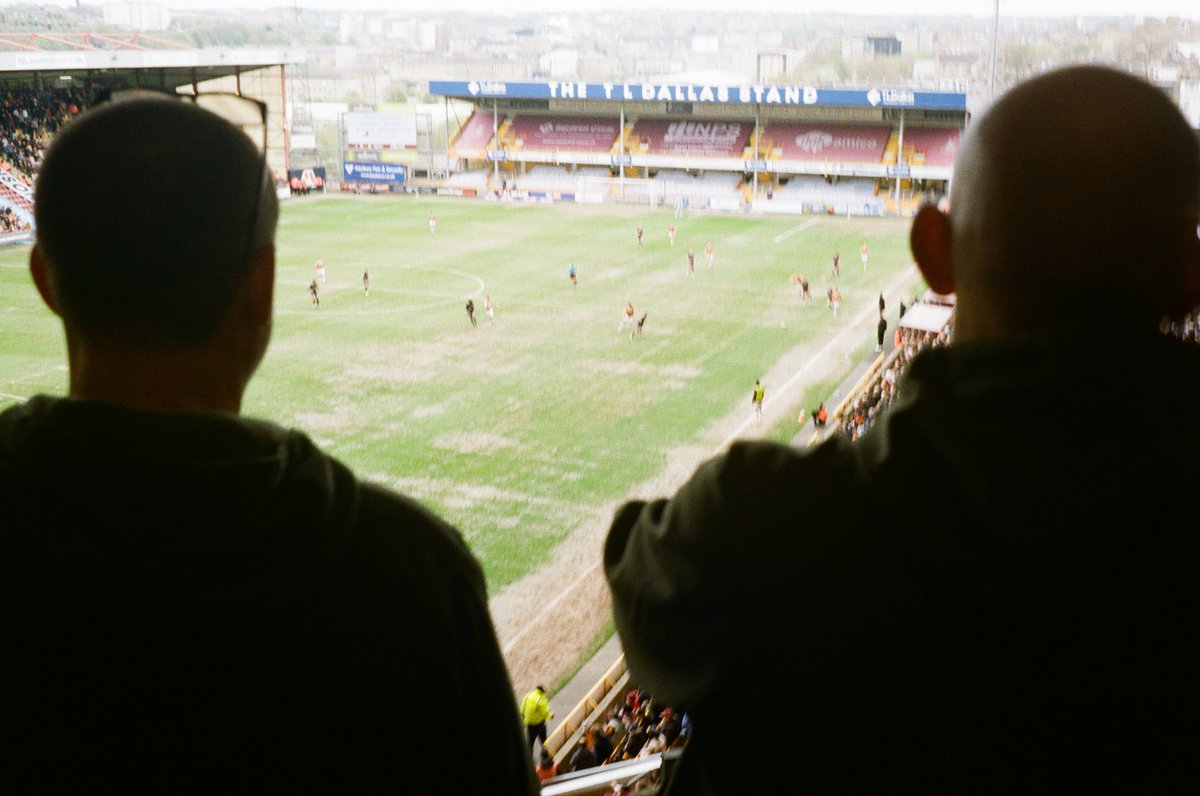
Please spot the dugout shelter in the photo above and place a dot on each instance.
(772, 148)
(78, 66)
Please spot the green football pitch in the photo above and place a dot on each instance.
(515, 431)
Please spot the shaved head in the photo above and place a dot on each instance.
(155, 245)
(144, 208)
(1075, 194)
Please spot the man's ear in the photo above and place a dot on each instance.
(929, 240)
(1188, 295)
(40, 270)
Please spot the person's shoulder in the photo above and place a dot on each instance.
(396, 528)
(761, 461)
(366, 527)
(754, 481)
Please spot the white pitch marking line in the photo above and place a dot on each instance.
(782, 236)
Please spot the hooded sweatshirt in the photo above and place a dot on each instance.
(212, 592)
(996, 588)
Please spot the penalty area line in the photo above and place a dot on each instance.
(782, 236)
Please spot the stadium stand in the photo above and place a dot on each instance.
(793, 147)
(473, 138)
(29, 118)
(16, 192)
(871, 141)
(632, 740)
(929, 146)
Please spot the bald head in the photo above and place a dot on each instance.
(1075, 196)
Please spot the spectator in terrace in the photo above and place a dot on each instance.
(29, 118)
(583, 758)
(670, 727)
(634, 739)
(880, 393)
(1026, 628)
(546, 768)
(601, 744)
(654, 743)
(616, 725)
(1187, 328)
(189, 595)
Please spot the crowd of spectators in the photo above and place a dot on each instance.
(10, 222)
(860, 415)
(639, 727)
(1186, 329)
(29, 118)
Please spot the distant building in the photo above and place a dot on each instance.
(1189, 101)
(883, 46)
(871, 47)
(137, 16)
(559, 64)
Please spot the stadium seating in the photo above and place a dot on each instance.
(838, 143)
(470, 179)
(632, 144)
(686, 138)
(16, 204)
(554, 179)
(929, 146)
(549, 179)
(564, 133)
(473, 138)
(627, 717)
(29, 117)
(803, 153)
(679, 183)
(815, 194)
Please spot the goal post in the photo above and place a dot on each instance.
(613, 190)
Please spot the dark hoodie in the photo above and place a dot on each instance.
(183, 595)
(996, 589)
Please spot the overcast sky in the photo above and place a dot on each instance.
(982, 8)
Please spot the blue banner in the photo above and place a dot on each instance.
(698, 93)
(371, 171)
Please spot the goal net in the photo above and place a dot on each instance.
(610, 190)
